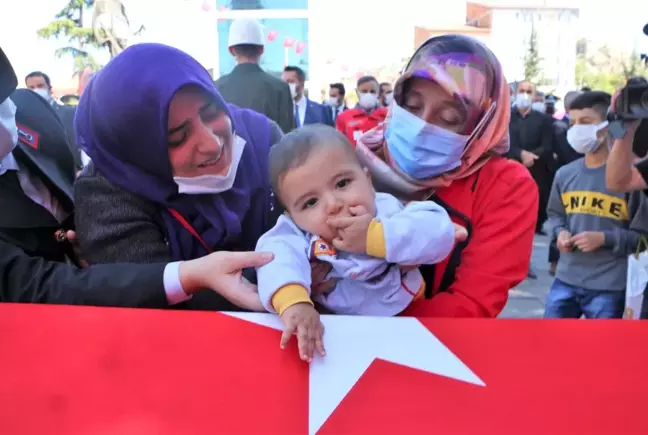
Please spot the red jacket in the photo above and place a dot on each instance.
(353, 122)
(501, 202)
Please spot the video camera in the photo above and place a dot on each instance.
(632, 102)
(630, 105)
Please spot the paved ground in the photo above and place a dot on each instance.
(527, 300)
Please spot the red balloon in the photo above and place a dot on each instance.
(300, 47)
(289, 42)
(272, 35)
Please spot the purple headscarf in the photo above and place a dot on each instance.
(121, 123)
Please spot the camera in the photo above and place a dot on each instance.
(632, 102)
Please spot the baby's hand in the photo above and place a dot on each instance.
(303, 320)
(461, 233)
(352, 230)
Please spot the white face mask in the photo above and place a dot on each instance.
(367, 100)
(389, 98)
(44, 93)
(293, 90)
(213, 184)
(583, 137)
(538, 106)
(8, 128)
(523, 100)
(332, 101)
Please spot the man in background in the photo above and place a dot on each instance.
(306, 111)
(531, 135)
(386, 94)
(336, 102)
(366, 115)
(248, 85)
(40, 83)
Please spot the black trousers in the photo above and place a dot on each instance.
(543, 174)
(554, 253)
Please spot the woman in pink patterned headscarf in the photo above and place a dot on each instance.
(445, 138)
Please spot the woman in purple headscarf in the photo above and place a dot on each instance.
(176, 172)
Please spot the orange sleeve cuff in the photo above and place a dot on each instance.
(289, 295)
(376, 246)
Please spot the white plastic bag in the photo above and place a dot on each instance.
(636, 282)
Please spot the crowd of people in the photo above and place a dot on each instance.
(422, 200)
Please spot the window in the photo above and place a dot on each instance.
(261, 4)
(275, 55)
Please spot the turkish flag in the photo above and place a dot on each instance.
(289, 42)
(300, 47)
(84, 370)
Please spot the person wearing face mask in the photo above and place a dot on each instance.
(43, 277)
(366, 115)
(538, 106)
(40, 83)
(531, 135)
(596, 229)
(247, 85)
(176, 179)
(336, 101)
(386, 94)
(445, 140)
(306, 111)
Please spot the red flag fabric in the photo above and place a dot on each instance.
(300, 47)
(85, 370)
(289, 42)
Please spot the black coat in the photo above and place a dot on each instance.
(33, 279)
(250, 87)
(43, 152)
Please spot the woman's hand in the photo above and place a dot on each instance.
(221, 272)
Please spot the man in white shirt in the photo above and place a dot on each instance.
(306, 111)
(336, 100)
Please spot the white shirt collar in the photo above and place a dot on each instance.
(9, 163)
(301, 103)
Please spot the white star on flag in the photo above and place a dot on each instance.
(352, 343)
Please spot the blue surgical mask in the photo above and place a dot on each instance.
(419, 149)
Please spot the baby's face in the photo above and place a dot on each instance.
(326, 185)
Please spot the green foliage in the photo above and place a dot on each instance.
(607, 71)
(68, 23)
(532, 59)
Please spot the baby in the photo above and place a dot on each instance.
(373, 242)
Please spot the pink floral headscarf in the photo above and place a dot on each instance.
(470, 72)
